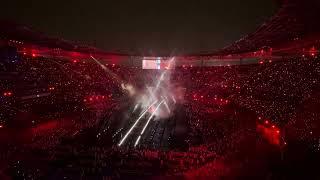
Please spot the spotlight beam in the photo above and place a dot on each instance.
(163, 74)
(145, 126)
(166, 104)
(135, 108)
(107, 70)
(134, 125)
(137, 141)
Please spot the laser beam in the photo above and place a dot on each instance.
(145, 126)
(134, 125)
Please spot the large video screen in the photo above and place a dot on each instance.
(156, 63)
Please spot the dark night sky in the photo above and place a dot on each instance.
(143, 26)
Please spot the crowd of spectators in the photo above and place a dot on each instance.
(222, 105)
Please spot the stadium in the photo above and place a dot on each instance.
(247, 110)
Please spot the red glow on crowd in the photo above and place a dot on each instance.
(95, 98)
(269, 132)
(224, 113)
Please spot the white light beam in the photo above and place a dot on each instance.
(134, 125)
(137, 141)
(145, 126)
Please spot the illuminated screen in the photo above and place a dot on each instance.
(155, 63)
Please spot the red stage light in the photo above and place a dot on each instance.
(7, 94)
(313, 51)
(266, 122)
